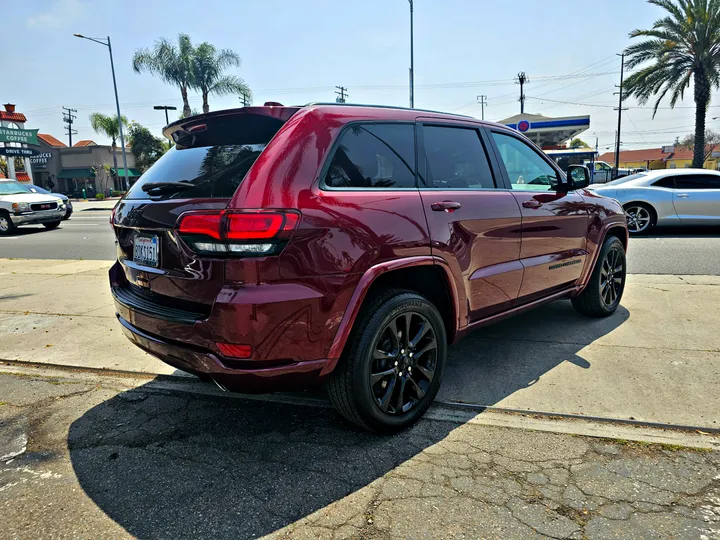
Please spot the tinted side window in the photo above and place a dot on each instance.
(697, 181)
(526, 169)
(667, 182)
(374, 156)
(456, 159)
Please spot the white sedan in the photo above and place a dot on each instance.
(666, 197)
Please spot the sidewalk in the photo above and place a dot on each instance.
(656, 360)
(107, 458)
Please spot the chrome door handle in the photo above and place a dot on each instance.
(532, 204)
(445, 206)
(682, 195)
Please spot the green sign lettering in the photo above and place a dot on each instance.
(26, 136)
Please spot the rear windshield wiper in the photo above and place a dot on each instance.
(167, 186)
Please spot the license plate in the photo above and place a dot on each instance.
(146, 250)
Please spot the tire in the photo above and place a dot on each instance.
(6, 224)
(640, 217)
(350, 385)
(597, 300)
(51, 225)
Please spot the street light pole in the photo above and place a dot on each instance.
(117, 103)
(412, 59)
(165, 108)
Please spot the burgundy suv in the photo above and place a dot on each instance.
(276, 248)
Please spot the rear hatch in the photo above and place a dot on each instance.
(212, 155)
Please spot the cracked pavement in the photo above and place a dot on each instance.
(111, 458)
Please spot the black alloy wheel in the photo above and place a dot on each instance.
(404, 362)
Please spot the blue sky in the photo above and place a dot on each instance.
(297, 52)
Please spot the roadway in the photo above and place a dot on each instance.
(87, 235)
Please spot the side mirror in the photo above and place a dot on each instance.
(578, 176)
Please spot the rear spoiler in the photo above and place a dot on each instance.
(184, 130)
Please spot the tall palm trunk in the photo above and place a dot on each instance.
(702, 98)
(186, 104)
(117, 172)
(206, 105)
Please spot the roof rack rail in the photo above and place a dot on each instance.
(333, 103)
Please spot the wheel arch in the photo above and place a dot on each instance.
(428, 276)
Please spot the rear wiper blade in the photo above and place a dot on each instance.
(167, 186)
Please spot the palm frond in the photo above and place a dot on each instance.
(230, 85)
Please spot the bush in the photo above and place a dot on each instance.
(117, 193)
(100, 196)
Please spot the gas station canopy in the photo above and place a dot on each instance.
(548, 132)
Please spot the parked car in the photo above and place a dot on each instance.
(65, 199)
(276, 248)
(667, 197)
(602, 172)
(19, 206)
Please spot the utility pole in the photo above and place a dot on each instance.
(412, 60)
(619, 110)
(482, 100)
(521, 80)
(244, 99)
(68, 119)
(342, 94)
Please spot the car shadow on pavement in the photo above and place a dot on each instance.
(497, 361)
(167, 465)
(183, 465)
(682, 232)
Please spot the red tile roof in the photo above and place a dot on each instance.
(646, 154)
(85, 142)
(12, 116)
(50, 140)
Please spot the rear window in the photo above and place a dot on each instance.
(214, 158)
(215, 171)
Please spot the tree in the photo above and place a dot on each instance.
(578, 143)
(102, 177)
(146, 147)
(209, 65)
(684, 46)
(712, 141)
(108, 126)
(171, 63)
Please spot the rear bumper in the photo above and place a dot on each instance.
(283, 377)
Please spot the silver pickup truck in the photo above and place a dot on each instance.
(20, 206)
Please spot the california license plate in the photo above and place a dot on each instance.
(146, 250)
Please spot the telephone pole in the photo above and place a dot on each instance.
(619, 110)
(522, 79)
(244, 99)
(342, 94)
(68, 119)
(482, 100)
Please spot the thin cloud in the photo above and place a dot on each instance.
(61, 14)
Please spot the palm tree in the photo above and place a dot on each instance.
(172, 63)
(108, 126)
(209, 65)
(684, 46)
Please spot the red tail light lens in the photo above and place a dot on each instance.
(253, 226)
(239, 233)
(205, 224)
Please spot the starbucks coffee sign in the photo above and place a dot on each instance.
(25, 136)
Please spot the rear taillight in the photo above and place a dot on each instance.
(238, 233)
